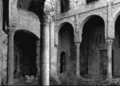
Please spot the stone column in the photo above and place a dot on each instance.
(10, 57)
(53, 58)
(109, 53)
(44, 58)
(45, 44)
(77, 40)
(78, 59)
(12, 23)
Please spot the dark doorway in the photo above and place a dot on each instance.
(66, 48)
(92, 42)
(62, 62)
(25, 53)
(116, 46)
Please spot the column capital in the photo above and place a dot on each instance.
(46, 17)
(11, 28)
(48, 13)
(77, 43)
(77, 38)
(109, 40)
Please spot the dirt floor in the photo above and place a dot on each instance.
(27, 82)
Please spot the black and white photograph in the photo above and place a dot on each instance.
(59, 42)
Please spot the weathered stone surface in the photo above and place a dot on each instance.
(108, 10)
(28, 20)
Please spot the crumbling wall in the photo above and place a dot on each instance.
(3, 46)
(33, 23)
(3, 55)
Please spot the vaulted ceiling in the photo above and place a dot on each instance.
(35, 6)
(30, 4)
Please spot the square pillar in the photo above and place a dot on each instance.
(10, 56)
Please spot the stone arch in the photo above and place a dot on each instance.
(25, 60)
(66, 43)
(58, 27)
(34, 32)
(28, 21)
(87, 18)
(27, 31)
(61, 23)
(115, 16)
(93, 42)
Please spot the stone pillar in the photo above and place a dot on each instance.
(78, 59)
(10, 57)
(77, 40)
(109, 53)
(53, 58)
(12, 23)
(45, 44)
(44, 58)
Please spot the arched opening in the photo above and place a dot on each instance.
(25, 53)
(64, 5)
(62, 62)
(116, 47)
(93, 59)
(66, 49)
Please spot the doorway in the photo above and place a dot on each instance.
(62, 62)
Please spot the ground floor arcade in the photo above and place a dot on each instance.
(98, 56)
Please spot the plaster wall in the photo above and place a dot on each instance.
(3, 46)
(28, 21)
